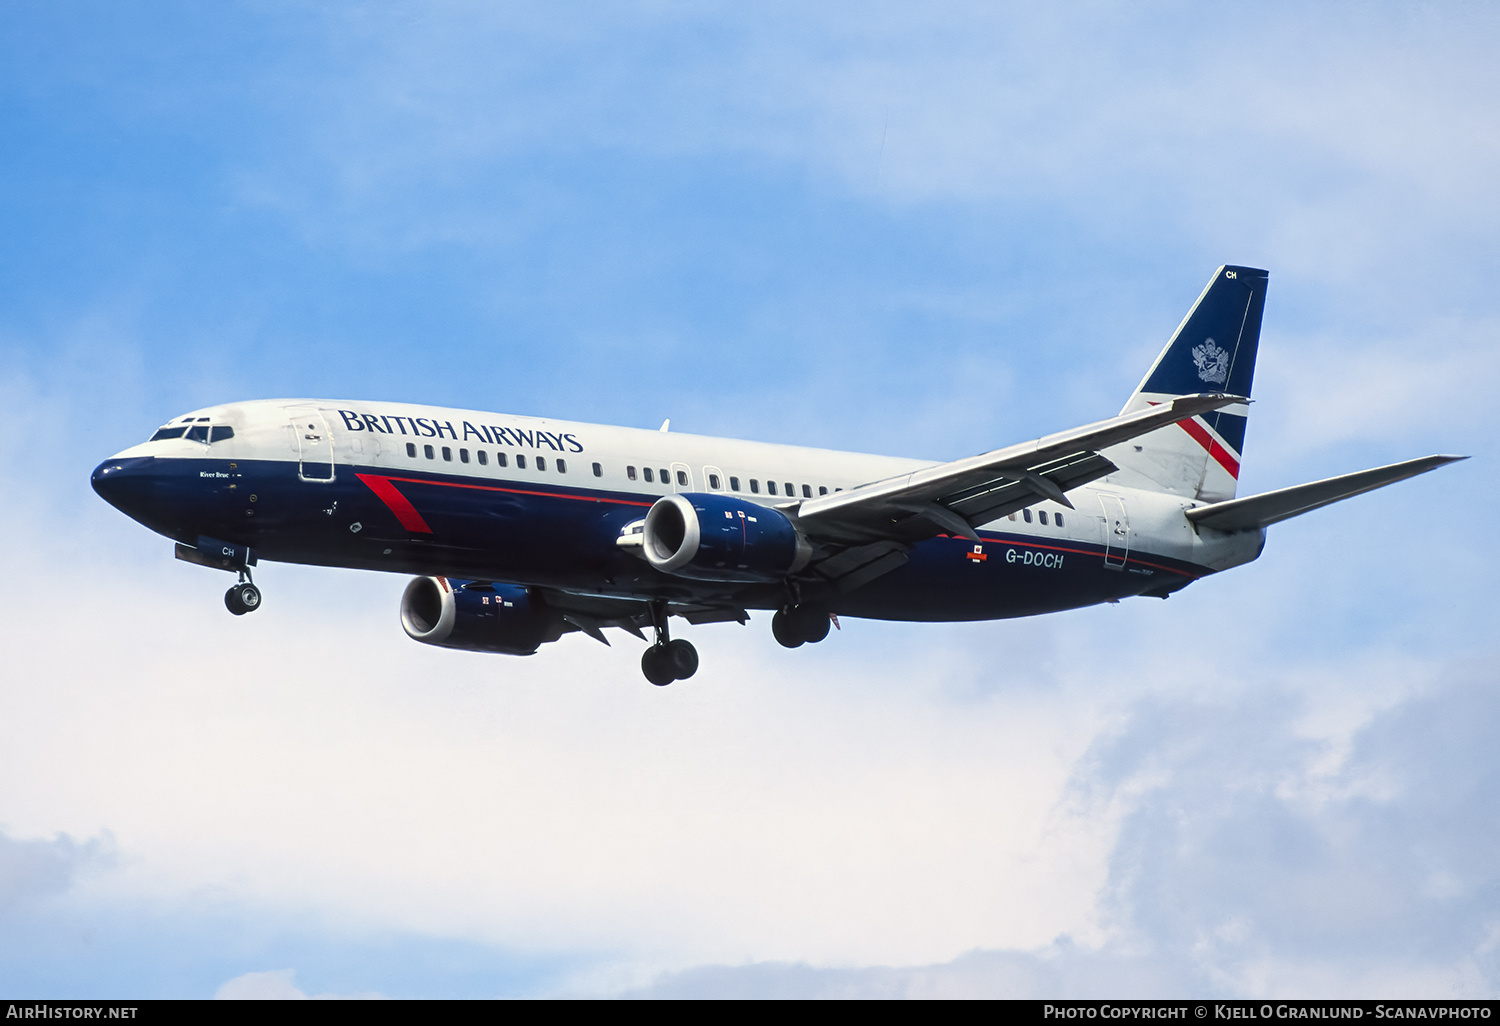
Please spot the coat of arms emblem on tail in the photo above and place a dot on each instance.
(1212, 362)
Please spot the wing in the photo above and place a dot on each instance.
(956, 497)
(1272, 507)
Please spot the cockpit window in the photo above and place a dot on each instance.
(195, 433)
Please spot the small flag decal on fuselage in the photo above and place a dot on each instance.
(977, 554)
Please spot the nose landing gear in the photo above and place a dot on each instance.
(667, 660)
(243, 597)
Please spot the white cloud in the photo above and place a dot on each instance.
(35, 869)
(1249, 864)
(1432, 383)
(275, 985)
(556, 802)
(1326, 152)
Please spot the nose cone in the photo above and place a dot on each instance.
(129, 485)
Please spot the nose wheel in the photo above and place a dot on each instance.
(242, 598)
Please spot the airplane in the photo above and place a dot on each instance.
(519, 530)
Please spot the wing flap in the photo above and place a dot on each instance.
(993, 500)
(860, 564)
(1256, 511)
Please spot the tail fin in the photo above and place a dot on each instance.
(1213, 349)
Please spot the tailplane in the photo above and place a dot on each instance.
(1213, 350)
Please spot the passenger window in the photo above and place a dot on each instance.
(807, 491)
(198, 433)
(541, 463)
(598, 470)
(665, 477)
(484, 457)
(790, 491)
(427, 449)
(520, 461)
(411, 449)
(734, 484)
(447, 454)
(562, 466)
(1058, 518)
(647, 474)
(770, 487)
(500, 459)
(1027, 514)
(630, 473)
(1013, 516)
(1041, 515)
(822, 489)
(463, 455)
(755, 486)
(682, 479)
(221, 433)
(713, 481)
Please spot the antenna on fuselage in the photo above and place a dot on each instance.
(664, 425)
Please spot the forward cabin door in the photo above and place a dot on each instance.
(1116, 532)
(313, 442)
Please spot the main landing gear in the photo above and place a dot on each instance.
(243, 597)
(667, 660)
(800, 625)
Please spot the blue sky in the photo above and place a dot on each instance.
(927, 232)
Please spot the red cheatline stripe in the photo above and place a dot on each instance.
(512, 491)
(412, 520)
(398, 503)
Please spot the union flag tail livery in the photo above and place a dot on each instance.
(1213, 349)
(520, 530)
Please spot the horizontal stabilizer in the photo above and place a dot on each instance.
(1257, 511)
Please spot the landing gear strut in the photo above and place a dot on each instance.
(799, 625)
(667, 660)
(243, 597)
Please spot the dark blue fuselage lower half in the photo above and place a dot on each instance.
(549, 534)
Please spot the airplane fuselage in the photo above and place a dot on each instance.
(544, 503)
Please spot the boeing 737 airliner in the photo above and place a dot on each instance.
(520, 530)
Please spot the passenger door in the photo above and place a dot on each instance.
(313, 442)
(1116, 532)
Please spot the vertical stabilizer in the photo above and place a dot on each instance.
(1213, 350)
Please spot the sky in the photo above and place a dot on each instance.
(919, 230)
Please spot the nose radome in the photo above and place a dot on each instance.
(126, 484)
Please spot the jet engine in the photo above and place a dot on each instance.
(722, 538)
(477, 617)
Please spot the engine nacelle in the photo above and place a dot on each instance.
(722, 538)
(477, 617)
